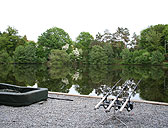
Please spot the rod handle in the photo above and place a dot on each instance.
(98, 105)
(109, 107)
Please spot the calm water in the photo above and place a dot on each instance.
(89, 80)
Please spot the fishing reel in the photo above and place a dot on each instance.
(125, 92)
(129, 105)
(118, 104)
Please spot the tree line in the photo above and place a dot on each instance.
(55, 47)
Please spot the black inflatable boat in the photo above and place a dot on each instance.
(13, 95)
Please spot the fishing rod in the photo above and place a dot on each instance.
(128, 98)
(105, 97)
(116, 98)
(120, 104)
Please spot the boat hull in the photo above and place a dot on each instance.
(21, 96)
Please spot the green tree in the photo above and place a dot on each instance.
(126, 56)
(106, 37)
(54, 38)
(165, 43)
(9, 40)
(58, 57)
(25, 54)
(134, 42)
(4, 57)
(98, 56)
(76, 56)
(117, 40)
(108, 48)
(143, 58)
(157, 57)
(153, 38)
(41, 54)
(122, 34)
(83, 42)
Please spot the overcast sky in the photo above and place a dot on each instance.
(33, 17)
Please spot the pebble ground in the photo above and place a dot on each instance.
(80, 113)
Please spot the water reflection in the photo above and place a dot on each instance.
(89, 80)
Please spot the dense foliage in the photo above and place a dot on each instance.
(58, 57)
(98, 56)
(4, 57)
(9, 40)
(154, 38)
(83, 42)
(54, 38)
(25, 54)
(141, 57)
(150, 47)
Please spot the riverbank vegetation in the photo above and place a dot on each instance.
(55, 47)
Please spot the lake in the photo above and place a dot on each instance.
(89, 80)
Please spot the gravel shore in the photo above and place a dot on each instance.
(80, 113)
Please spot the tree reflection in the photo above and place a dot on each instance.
(154, 90)
(154, 84)
(4, 72)
(25, 74)
(58, 72)
(105, 75)
(22, 75)
(85, 84)
(57, 79)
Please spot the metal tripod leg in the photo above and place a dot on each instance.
(114, 115)
(120, 121)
